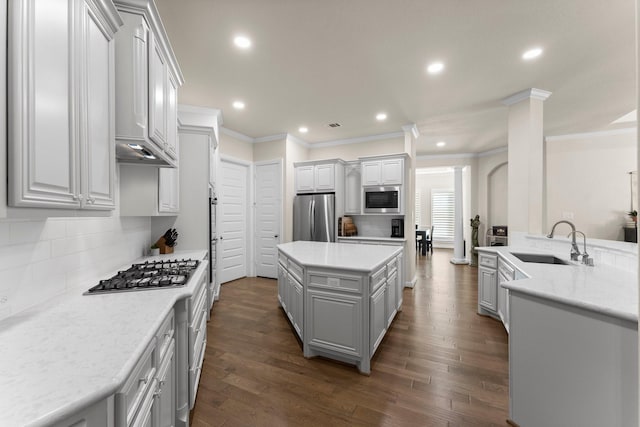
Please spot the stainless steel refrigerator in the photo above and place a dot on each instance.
(314, 217)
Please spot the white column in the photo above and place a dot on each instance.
(458, 231)
(526, 188)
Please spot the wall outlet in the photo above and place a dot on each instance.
(567, 215)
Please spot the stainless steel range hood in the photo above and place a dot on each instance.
(142, 152)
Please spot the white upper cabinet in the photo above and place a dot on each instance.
(392, 171)
(317, 177)
(325, 177)
(352, 189)
(383, 172)
(147, 82)
(61, 103)
(157, 93)
(171, 148)
(305, 178)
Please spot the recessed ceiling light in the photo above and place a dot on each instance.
(242, 42)
(435, 67)
(381, 117)
(238, 105)
(303, 129)
(532, 53)
(440, 144)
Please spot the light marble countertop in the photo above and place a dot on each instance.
(347, 256)
(602, 289)
(75, 350)
(374, 239)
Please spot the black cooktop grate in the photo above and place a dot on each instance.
(147, 276)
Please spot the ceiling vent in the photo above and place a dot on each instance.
(334, 125)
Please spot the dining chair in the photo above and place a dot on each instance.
(429, 241)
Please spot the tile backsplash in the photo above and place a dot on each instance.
(41, 259)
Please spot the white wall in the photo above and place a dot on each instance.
(41, 259)
(272, 150)
(489, 164)
(234, 147)
(587, 178)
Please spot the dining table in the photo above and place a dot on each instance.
(423, 233)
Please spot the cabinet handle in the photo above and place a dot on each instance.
(143, 380)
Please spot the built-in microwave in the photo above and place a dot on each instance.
(381, 199)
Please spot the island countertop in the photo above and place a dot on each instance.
(602, 289)
(345, 256)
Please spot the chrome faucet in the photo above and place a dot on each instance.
(575, 252)
(586, 260)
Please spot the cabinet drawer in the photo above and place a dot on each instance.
(392, 266)
(283, 260)
(378, 278)
(199, 334)
(488, 260)
(197, 302)
(506, 270)
(335, 282)
(295, 270)
(130, 397)
(165, 335)
(195, 369)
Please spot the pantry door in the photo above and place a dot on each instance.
(233, 203)
(268, 197)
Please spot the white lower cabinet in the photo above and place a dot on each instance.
(166, 390)
(378, 321)
(334, 322)
(97, 415)
(297, 302)
(339, 313)
(487, 289)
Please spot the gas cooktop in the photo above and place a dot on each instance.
(148, 275)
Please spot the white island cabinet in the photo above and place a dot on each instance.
(340, 298)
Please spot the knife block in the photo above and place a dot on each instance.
(164, 249)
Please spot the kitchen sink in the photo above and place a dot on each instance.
(540, 258)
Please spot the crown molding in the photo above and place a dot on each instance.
(236, 135)
(270, 138)
(532, 93)
(297, 140)
(463, 155)
(413, 129)
(597, 134)
(492, 151)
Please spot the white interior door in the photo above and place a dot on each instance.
(268, 197)
(233, 219)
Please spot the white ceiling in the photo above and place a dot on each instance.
(315, 62)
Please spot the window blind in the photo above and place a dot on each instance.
(442, 214)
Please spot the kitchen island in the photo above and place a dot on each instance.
(340, 298)
(573, 334)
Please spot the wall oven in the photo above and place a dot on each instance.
(381, 199)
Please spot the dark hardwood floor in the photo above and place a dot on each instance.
(440, 363)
